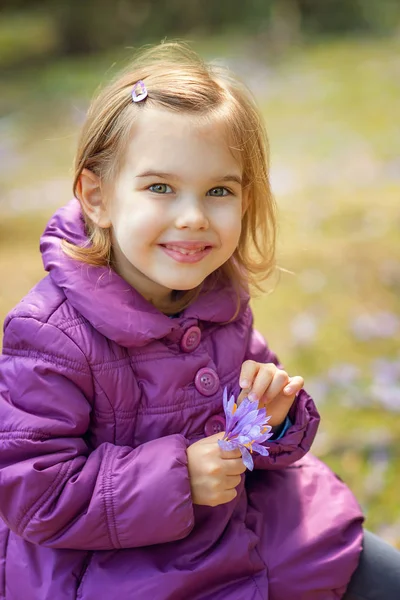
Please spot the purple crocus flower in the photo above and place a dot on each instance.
(246, 428)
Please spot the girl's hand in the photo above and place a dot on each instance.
(214, 474)
(271, 387)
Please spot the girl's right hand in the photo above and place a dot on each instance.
(214, 474)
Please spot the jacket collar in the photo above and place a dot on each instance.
(108, 302)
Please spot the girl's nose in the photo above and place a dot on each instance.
(191, 216)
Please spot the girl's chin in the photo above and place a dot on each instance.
(180, 284)
(186, 288)
(187, 284)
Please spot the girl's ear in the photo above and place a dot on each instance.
(92, 199)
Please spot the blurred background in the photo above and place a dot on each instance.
(327, 78)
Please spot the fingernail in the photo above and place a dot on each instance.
(244, 384)
(288, 389)
(253, 397)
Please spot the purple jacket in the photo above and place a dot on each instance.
(100, 396)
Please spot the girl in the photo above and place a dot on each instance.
(113, 484)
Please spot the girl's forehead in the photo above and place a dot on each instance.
(162, 137)
(155, 120)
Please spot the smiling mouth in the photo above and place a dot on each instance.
(186, 251)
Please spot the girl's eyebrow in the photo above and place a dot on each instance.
(163, 175)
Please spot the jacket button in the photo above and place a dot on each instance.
(214, 424)
(191, 339)
(206, 381)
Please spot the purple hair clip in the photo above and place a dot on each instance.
(246, 428)
(139, 86)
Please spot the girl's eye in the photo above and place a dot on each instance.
(160, 188)
(218, 192)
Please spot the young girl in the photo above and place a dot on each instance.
(113, 484)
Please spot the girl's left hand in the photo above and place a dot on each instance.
(271, 387)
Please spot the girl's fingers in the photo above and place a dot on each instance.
(248, 374)
(279, 380)
(295, 385)
(232, 481)
(230, 454)
(266, 381)
(263, 381)
(242, 396)
(227, 496)
(234, 467)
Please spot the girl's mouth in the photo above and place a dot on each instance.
(186, 252)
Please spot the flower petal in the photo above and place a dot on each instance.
(247, 419)
(244, 407)
(246, 428)
(244, 440)
(247, 459)
(261, 449)
(227, 445)
(230, 414)
(225, 398)
(264, 437)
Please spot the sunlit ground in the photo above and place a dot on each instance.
(332, 116)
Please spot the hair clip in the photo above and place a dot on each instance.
(143, 92)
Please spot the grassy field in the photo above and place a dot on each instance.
(332, 113)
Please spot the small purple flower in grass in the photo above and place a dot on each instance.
(246, 428)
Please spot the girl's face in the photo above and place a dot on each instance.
(176, 206)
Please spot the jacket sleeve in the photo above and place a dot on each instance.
(303, 415)
(56, 490)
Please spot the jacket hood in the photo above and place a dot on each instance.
(108, 302)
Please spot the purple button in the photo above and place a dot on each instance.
(206, 381)
(214, 424)
(191, 339)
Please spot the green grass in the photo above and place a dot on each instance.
(331, 110)
(25, 36)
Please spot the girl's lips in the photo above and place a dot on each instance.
(186, 252)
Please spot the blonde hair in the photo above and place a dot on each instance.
(177, 79)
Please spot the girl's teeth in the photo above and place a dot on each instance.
(183, 251)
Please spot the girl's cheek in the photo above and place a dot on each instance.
(228, 216)
(232, 223)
